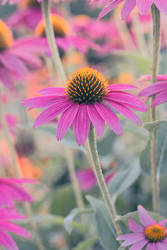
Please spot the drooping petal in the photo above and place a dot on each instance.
(153, 89)
(161, 5)
(81, 125)
(160, 98)
(144, 217)
(109, 7)
(127, 8)
(8, 226)
(137, 237)
(144, 5)
(66, 120)
(127, 99)
(52, 91)
(124, 111)
(139, 245)
(162, 222)
(151, 246)
(51, 112)
(43, 101)
(7, 241)
(135, 227)
(110, 117)
(96, 120)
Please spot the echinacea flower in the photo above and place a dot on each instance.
(6, 226)
(158, 90)
(128, 5)
(12, 190)
(149, 234)
(16, 55)
(86, 99)
(87, 178)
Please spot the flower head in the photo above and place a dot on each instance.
(158, 90)
(12, 190)
(129, 5)
(86, 99)
(149, 234)
(6, 227)
(16, 55)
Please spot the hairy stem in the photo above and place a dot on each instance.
(59, 68)
(155, 62)
(100, 178)
(13, 155)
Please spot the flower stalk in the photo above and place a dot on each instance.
(100, 178)
(13, 155)
(46, 7)
(155, 62)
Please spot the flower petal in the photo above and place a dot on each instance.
(161, 5)
(144, 217)
(66, 120)
(86, 179)
(153, 89)
(110, 117)
(124, 111)
(139, 245)
(52, 91)
(135, 227)
(7, 241)
(127, 8)
(8, 226)
(96, 120)
(81, 125)
(160, 98)
(144, 5)
(109, 7)
(51, 113)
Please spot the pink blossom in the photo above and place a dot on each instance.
(12, 190)
(7, 226)
(149, 233)
(86, 99)
(87, 178)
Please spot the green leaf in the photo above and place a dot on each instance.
(150, 126)
(69, 219)
(123, 179)
(105, 145)
(85, 245)
(161, 150)
(104, 226)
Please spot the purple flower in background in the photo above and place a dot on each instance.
(16, 55)
(149, 234)
(86, 99)
(12, 190)
(158, 89)
(6, 227)
(87, 178)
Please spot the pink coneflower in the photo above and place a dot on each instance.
(86, 99)
(87, 178)
(17, 55)
(149, 233)
(6, 226)
(158, 89)
(129, 5)
(12, 190)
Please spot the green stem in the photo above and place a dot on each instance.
(100, 178)
(59, 68)
(51, 40)
(155, 62)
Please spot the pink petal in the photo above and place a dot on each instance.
(86, 179)
(10, 214)
(162, 222)
(137, 237)
(153, 89)
(8, 226)
(6, 78)
(151, 246)
(160, 98)
(161, 5)
(144, 217)
(139, 245)
(144, 5)
(81, 125)
(96, 120)
(135, 227)
(124, 111)
(7, 241)
(52, 112)
(161, 246)
(110, 117)
(52, 91)
(66, 120)
(127, 8)
(109, 7)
